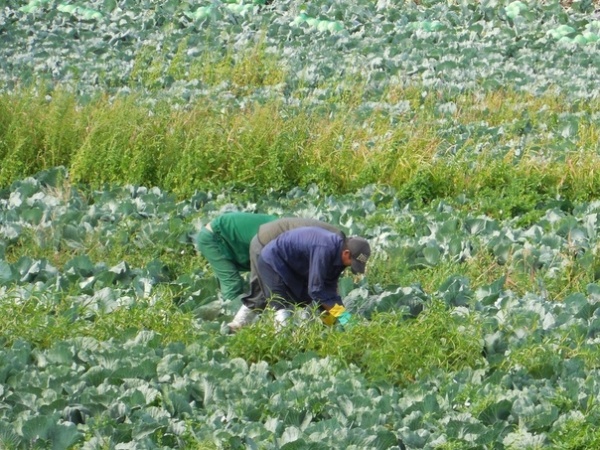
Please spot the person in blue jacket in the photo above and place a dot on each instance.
(302, 267)
(254, 302)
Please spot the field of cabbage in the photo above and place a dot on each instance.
(299, 51)
(478, 319)
(94, 292)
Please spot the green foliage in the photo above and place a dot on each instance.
(44, 319)
(578, 433)
(121, 142)
(540, 359)
(386, 348)
(270, 145)
(38, 131)
(433, 129)
(132, 242)
(248, 70)
(464, 322)
(390, 350)
(428, 184)
(521, 192)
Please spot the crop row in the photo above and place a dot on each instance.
(295, 51)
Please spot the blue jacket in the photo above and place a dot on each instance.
(309, 261)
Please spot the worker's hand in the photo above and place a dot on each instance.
(338, 315)
(328, 319)
(345, 319)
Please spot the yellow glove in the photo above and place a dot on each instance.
(330, 317)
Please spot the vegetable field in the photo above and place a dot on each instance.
(238, 52)
(107, 348)
(460, 137)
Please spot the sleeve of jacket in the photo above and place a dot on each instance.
(322, 287)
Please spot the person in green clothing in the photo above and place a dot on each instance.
(225, 243)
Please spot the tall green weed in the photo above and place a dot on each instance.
(387, 348)
(498, 155)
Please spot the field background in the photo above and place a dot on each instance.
(461, 138)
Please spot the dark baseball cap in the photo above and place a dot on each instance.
(360, 250)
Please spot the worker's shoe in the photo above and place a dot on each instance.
(282, 318)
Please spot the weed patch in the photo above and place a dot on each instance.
(387, 348)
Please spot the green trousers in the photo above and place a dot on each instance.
(222, 263)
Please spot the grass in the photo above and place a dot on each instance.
(388, 348)
(577, 434)
(277, 147)
(44, 318)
